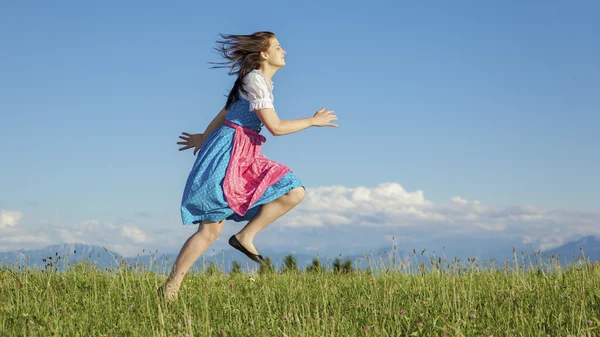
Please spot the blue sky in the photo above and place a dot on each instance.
(493, 102)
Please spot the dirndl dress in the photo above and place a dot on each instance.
(231, 179)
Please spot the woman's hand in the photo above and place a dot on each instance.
(324, 118)
(190, 141)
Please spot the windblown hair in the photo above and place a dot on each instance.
(242, 55)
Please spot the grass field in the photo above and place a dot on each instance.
(460, 299)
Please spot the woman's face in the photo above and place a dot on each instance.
(275, 54)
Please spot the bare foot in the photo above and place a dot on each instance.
(168, 291)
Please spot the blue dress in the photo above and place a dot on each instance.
(203, 197)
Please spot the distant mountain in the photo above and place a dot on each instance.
(589, 246)
(57, 256)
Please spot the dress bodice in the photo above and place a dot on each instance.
(239, 113)
(259, 95)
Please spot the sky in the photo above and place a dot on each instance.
(461, 121)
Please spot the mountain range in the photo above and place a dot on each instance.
(58, 256)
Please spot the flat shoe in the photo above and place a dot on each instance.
(233, 242)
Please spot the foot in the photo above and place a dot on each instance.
(247, 243)
(168, 291)
(254, 256)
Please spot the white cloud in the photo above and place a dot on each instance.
(334, 216)
(390, 205)
(135, 234)
(551, 241)
(9, 219)
(24, 239)
(126, 239)
(459, 200)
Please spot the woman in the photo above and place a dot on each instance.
(231, 179)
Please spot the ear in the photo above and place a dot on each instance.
(264, 56)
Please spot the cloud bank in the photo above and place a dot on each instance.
(353, 213)
(390, 205)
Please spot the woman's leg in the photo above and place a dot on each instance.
(191, 251)
(268, 213)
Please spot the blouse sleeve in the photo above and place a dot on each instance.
(259, 94)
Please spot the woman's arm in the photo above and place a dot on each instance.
(216, 122)
(196, 140)
(279, 127)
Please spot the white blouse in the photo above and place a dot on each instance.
(260, 95)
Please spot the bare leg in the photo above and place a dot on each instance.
(267, 214)
(191, 251)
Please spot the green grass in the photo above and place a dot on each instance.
(468, 300)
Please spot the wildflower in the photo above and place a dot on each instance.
(366, 327)
(421, 314)
(188, 321)
(186, 334)
(590, 322)
(331, 319)
(419, 325)
(473, 316)
(402, 312)
(131, 307)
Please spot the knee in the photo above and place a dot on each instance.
(211, 231)
(212, 235)
(296, 195)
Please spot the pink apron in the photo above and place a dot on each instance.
(249, 172)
